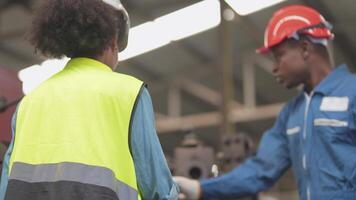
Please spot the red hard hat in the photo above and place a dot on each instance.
(293, 20)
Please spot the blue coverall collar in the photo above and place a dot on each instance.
(327, 85)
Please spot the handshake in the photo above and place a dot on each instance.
(190, 189)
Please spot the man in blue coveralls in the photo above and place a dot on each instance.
(315, 133)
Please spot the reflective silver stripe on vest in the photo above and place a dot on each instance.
(76, 172)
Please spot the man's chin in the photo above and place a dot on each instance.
(289, 86)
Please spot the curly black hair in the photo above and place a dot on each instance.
(73, 28)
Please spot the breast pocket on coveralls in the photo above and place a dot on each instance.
(331, 125)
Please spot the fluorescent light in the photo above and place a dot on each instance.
(143, 38)
(245, 7)
(177, 25)
(190, 20)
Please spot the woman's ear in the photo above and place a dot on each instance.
(114, 45)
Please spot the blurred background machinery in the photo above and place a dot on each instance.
(205, 77)
(193, 159)
(235, 149)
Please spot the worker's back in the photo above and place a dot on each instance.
(72, 136)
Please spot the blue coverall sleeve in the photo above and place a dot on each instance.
(5, 166)
(153, 175)
(257, 173)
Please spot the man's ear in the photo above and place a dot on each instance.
(306, 48)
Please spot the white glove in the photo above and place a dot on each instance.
(189, 187)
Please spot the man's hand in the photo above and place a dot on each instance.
(189, 187)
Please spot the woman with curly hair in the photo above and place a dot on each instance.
(87, 132)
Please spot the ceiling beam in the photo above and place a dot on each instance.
(174, 101)
(203, 92)
(169, 124)
(138, 68)
(144, 12)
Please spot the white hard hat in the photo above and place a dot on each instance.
(124, 22)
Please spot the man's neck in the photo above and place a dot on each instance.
(319, 71)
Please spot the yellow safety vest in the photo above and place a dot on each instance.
(73, 130)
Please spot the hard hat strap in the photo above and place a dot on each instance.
(325, 24)
(299, 32)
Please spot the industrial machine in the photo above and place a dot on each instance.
(193, 159)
